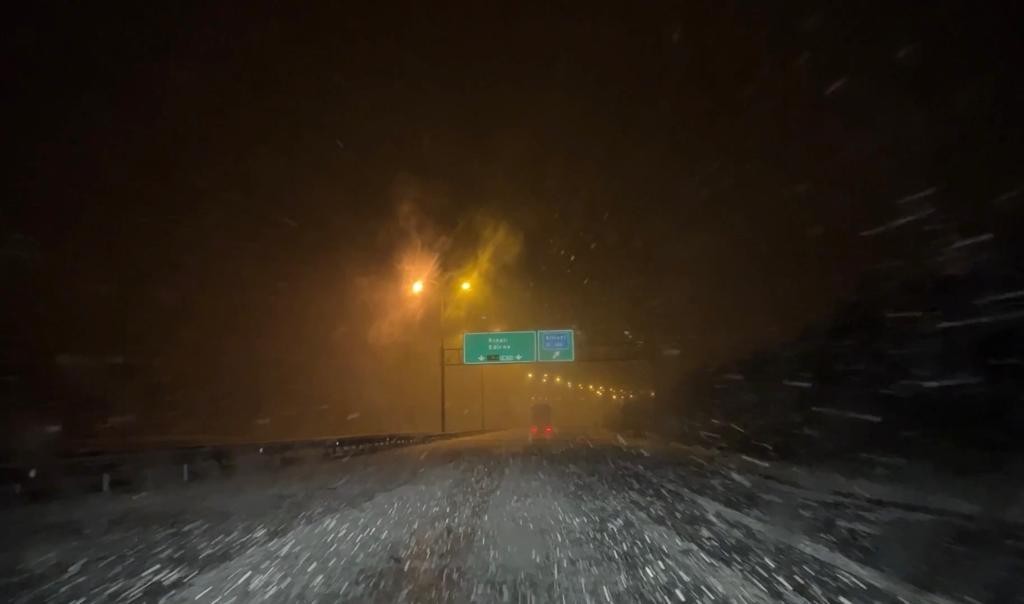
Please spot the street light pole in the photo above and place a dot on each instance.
(417, 289)
(482, 411)
(442, 365)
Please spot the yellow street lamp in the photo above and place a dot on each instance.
(417, 287)
(466, 286)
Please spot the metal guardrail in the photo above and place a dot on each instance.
(145, 469)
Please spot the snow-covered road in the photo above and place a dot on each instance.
(494, 518)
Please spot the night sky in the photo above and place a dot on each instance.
(235, 197)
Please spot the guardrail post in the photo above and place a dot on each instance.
(142, 469)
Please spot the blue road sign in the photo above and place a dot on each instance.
(556, 345)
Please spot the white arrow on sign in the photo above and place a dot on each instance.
(480, 358)
(519, 357)
(557, 352)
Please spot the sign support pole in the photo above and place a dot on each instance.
(442, 365)
(442, 387)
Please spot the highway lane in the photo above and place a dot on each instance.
(585, 517)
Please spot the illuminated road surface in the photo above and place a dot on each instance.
(496, 519)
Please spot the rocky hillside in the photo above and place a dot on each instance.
(926, 361)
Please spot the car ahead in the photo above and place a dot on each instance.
(540, 422)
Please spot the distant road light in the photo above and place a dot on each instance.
(529, 375)
(466, 286)
(417, 286)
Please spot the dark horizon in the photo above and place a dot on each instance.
(233, 199)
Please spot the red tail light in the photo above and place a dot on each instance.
(533, 429)
(547, 429)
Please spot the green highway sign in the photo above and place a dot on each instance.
(556, 345)
(546, 345)
(499, 347)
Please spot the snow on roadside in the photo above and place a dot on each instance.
(829, 556)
